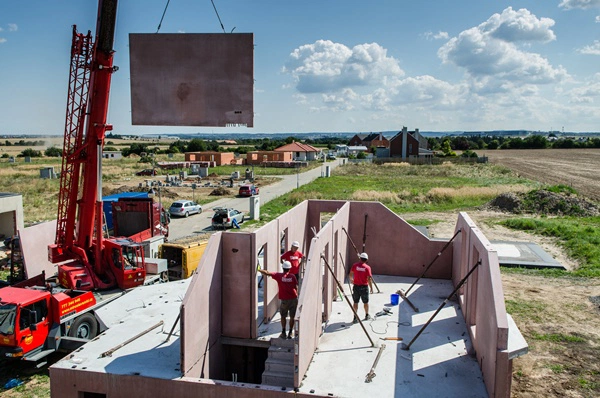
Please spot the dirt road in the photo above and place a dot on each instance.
(577, 168)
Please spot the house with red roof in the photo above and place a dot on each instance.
(300, 151)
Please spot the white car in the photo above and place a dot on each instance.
(183, 208)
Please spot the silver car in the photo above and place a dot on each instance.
(183, 208)
(224, 218)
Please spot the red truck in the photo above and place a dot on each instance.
(38, 317)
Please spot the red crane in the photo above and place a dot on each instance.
(95, 262)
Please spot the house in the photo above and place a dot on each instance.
(198, 337)
(409, 145)
(112, 155)
(354, 150)
(220, 158)
(260, 157)
(372, 140)
(300, 151)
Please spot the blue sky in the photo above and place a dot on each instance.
(337, 65)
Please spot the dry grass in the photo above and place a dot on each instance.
(444, 194)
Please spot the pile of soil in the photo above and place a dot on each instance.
(213, 175)
(544, 202)
(220, 191)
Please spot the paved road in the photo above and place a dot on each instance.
(201, 223)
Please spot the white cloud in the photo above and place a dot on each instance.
(592, 49)
(597, 19)
(520, 25)
(489, 52)
(436, 36)
(328, 67)
(2, 40)
(582, 4)
(1, 29)
(12, 27)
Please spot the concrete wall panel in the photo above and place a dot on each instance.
(482, 303)
(71, 383)
(384, 248)
(200, 79)
(201, 315)
(295, 222)
(239, 285)
(34, 244)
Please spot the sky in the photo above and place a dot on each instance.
(336, 65)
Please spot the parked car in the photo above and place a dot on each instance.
(146, 172)
(248, 190)
(184, 208)
(331, 156)
(224, 217)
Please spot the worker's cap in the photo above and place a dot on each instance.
(364, 256)
(286, 265)
(295, 244)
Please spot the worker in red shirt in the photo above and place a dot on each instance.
(294, 257)
(288, 294)
(362, 280)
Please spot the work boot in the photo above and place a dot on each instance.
(282, 335)
(355, 320)
(367, 317)
(290, 335)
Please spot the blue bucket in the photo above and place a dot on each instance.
(395, 298)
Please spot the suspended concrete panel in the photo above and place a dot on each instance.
(199, 79)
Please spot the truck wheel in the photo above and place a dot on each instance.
(164, 277)
(84, 327)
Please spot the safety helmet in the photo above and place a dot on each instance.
(295, 244)
(286, 265)
(364, 255)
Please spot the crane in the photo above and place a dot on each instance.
(87, 260)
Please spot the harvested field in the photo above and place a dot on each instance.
(577, 168)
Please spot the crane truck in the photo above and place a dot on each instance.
(39, 316)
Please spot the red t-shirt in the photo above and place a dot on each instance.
(361, 273)
(288, 285)
(294, 258)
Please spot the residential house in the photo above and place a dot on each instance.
(372, 140)
(357, 139)
(258, 157)
(409, 145)
(220, 158)
(112, 155)
(300, 151)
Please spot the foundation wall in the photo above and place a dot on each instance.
(67, 383)
(482, 303)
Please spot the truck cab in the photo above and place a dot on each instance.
(24, 321)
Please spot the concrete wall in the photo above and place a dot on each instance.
(257, 157)
(67, 383)
(201, 309)
(239, 289)
(482, 304)
(11, 213)
(417, 250)
(263, 237)
(220, 158)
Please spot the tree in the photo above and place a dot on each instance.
(447, 149)
(53, 152)
(196, 145)
(32, 153)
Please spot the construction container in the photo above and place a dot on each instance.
(182, 258)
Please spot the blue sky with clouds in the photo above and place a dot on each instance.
(337, 65)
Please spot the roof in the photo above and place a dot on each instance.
(372, 136)
(15, 295)
(297, 147)
(357, 148)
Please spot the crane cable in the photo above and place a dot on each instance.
(163, 16)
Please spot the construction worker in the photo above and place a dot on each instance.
(362, 281)
(288, 294)
(294, 256)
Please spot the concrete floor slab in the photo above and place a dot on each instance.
(524, 254)
(438, 363)
(149, 355)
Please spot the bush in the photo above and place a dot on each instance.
(32, 153)
(53, 152)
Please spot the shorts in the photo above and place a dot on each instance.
(288, 306)
(360, 292)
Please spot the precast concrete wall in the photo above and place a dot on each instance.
(63, 385)
(201, 352)
(294, 224)
(239, 289)
(482, 304)
(394, 246)
(308, 314)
